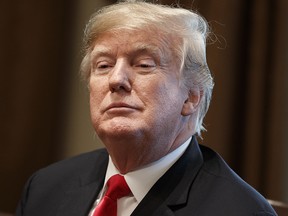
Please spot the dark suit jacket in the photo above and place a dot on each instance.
(199, 184)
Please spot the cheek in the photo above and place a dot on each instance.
(96, 96)
(167, 91)
(93, 101)
(152, 94)
(163, 97)
(94, 107)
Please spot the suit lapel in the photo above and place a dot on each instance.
(171, 191)
(79, 200)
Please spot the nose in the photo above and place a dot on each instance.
(120, 77)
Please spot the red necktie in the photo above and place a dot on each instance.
(116, 189)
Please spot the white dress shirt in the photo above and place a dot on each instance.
(140, 181)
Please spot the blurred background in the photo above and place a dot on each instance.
(44, 104)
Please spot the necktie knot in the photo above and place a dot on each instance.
(117, 187)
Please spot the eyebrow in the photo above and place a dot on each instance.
(100, 51)
(138, 48)
(153, 50)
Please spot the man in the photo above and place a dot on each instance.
(150, 88)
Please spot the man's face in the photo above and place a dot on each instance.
(135, 89)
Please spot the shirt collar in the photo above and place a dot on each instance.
(141, 181)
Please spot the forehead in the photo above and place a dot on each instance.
(133, 41)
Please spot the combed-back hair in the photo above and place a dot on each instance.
(187, 26)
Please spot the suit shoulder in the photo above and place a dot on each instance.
(48, 188)
(75, 165)
(219, 179)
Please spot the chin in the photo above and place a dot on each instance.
(119, 130)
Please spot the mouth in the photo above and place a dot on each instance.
(120, 107)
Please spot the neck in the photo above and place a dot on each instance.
(130, 155)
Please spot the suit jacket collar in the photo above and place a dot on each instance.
(79, 200)
(171, 191)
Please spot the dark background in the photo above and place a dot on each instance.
(44, 107)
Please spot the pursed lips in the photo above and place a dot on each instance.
(119, 106)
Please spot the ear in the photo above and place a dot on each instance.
(191, 103)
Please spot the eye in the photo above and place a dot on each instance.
(145, 64)
(101, 67)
